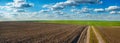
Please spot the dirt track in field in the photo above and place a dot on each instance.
(98, 36)
(35, 32)
(88, 35)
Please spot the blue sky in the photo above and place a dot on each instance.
(59, 10)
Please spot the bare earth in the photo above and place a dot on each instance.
(110, 33)
(35, 32)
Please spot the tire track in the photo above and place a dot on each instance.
(81, 38)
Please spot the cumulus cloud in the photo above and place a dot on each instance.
(74, 10)
(17, 5)
(46, 6)
(82, 10)
(18, 15)
(114, 12)
(19, 10)
(99, 10)
(6, 15)
(44, 11)
(85, 10)
(59, 12)
(87, 1)
(8, 8)
(62, 5)
(113, 8)
(57, 7)
(20, 4)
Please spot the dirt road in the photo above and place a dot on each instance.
(88, 35)
(98, 36)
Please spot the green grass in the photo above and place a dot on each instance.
(84, 22)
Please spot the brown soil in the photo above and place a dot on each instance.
(110, 33)
(35, 32)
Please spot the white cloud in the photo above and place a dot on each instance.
(20, 4)
(82, 10)
(46, 6)
(61, 5)
(83, 13)
(99, 10)
(59, 12)
(115, 12)
(19, 10)
(85, 10)
(44, 11)
(6, 15)
(8, 8)
(17, 15)
(17, 5)
(58, 6)
(74, 10)
(78, 12)
(87, 1)
(19, 1)
(113, 8)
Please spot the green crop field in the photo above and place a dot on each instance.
(83, 22)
